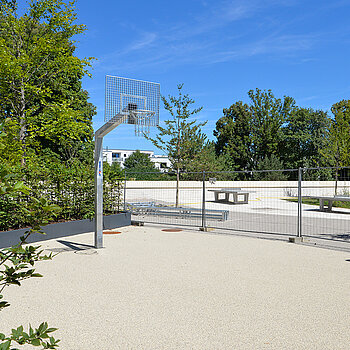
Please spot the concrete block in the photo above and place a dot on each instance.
(296, 239)
(206, 229)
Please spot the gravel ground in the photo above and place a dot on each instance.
(149, 289)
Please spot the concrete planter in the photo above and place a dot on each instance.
(63, 229)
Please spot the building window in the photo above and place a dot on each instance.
(115, 155)
(163, 165)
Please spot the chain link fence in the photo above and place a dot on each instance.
(307, 202)
(326, 203)
(257, 201)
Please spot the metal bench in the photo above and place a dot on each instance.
(236, 194)
(330, 200)
(178, 212)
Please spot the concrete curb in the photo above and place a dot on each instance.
(63, 229)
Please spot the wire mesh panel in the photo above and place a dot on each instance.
(256, 201)
(326, 203)
(127, 97)
(158, 199)
(281, 203)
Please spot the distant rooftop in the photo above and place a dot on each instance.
(123, 149)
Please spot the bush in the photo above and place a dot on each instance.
(71, 188)
(16, 262)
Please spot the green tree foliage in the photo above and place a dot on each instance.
(305, 135)
(248, 133)
(112, 172)
(181, 138)
(139, 166)
(139, 160)
(207, 161)
(44, 112)
(233, 132)
(40, 78)
(268, 115)
(270, 163)
(337, 151)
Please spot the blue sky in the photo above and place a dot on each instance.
(219, 50)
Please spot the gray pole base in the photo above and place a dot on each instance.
(296, 239)
(206, 229)
(137, 223)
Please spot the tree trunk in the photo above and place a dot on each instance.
(22, 139)
(23, 127)
(177, 186)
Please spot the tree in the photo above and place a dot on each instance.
(138, 160)
(206, 160)
(337, 151)
(268, 115)
(112, 172)
(181, 139)
(36, 62)
(233, 132)
(270, 163)
(305, 135)
(248, 133)
(138, 165)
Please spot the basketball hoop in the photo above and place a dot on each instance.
(141, 120)
(128, 101)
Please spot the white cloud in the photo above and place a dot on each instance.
(216, 35)
(146, 40)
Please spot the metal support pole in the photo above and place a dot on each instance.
(203, 204)
(125, 190)
(300, 179)
(102, 131)
(98, 192)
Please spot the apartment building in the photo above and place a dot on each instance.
(119, 155)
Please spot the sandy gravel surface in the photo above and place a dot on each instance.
(149, 289)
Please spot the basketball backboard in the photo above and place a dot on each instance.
(132, 101)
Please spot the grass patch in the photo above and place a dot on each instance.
(312, 201)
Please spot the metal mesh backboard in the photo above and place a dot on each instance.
(138, 98)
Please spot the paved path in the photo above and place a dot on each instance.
(149, 289)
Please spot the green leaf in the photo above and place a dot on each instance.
(35, 342)
(6, 345)
(49, 330)
(36, 275)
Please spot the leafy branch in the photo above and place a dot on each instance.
(16, 263)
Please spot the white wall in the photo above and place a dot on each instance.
(276, 188)
(158, 160)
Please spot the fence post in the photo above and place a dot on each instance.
(125, 190)
(299, 237)
(203, 228)
(300, 203)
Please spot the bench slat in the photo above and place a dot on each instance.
(182, 212)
